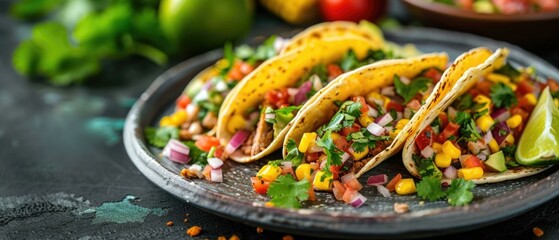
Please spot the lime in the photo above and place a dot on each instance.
(539, 144)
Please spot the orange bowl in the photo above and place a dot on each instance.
(535, 31)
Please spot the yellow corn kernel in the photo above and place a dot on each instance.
(512, 86)
(335, 136)
(437, 147)
(481, 99)
(322, 184)
(531, 98)
(402, 123)
(442, 160)
(236, 123)
(268, 204)
(359, 155)
(510, 139)
(394, 133)
(485, 122)
(556, 102)
(306, 141)
(452, 151)
(365, 120)
(179, 117)
(269, 173)
(493, 146)
(470, 173)
(166, 121)
(514, 121)
(303, 171)
(405, 186)
(495, 77)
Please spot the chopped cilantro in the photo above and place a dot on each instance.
(378, 55)
(158, 137)
(228, 55)
(409, 91)
(345, 117)
(508, 70)
(468, 129)
(459, 193)
(197, 155)
(430, 189)
(293, 153)
(464, 102)
(363, 139)
(276, 163)
(426, 167)
(264, 51)
(349, 61)
(282, 113)
(509, 150)
(286, 192)
(502, 95)
(333, 154)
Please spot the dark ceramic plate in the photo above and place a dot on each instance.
(235, 198)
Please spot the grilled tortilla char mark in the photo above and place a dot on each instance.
(264, 134)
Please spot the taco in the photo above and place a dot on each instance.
(471, 133)
(258, 112)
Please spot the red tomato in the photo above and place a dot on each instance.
(524, 87)
(183, 101)
(444, 119)
(512, 6)
(521, 112)
(361, 100)
(451, 129)
(349, 130)
(472, 161)
(278, 98)
(352, 10)
(312, 196)
(414, 105)
(465, 4)
(239, 70)
(312, 157)
(484, 87)
(396, 106)
(205, 143)
(260, 186)
(334, 70)
(342, 144)
(391, 186)
(525, 104)
(245, 68)
(335, 170)
(219, 152)
(425, 138)
(348, 195)
(553, 85)
(338, 189)
(434, 74)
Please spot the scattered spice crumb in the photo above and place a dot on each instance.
(234, 237)
(185, 220)
(194, 231)
(221, 238)
(538, 232)
(259, 230)
(268, 204)
(287, 237)
(421, 203)
(186, 173)
(170, 223)
(401, 207)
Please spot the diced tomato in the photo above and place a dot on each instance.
(349, 130)
(414, 104)
(425, 138)
(524, 87)
(239, 70)
(472, 161)
(349, 194)
(205, 143)
(334, 70)
(245, 68)
(484, 87)
(312, 157)
(444, 119)
(521, 112)
(350, 181)
(342, 144)
(553, 85)
(338, 189)
(183, 101)
(312, 196)
(391, 186)
(335, 170)
(219, 152)
(278, 98)
(396, 106)
(260, 186)
(525, 104)
(361, 100)
(465, 4)
(434, 74)
(451, 129)
(207, 172)
(474, 92)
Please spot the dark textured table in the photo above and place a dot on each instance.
(64, 173)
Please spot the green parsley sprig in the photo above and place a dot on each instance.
(458, 194)
(286, 192)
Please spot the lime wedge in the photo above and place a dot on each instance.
(539, 144)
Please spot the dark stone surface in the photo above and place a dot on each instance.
(54, 167)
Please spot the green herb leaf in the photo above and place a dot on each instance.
(33, 9)
(508, 70)
(502, 95)
(286, 192)
(158, 137)
(349, 61)
(197, 155)
(468, 129)
(333, 154)
(459, 193)
(293, 153)
(409, 91)
(464, 102)
(427, 167)
(430, 189)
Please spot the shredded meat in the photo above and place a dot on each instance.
(263, 137)
(247, 144)
(355, 166)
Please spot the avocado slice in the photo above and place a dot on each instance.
(496, 162)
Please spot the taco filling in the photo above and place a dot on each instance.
(478, 132)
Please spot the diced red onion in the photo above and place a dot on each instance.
(407, 113)
(301, 95)
(399, 115)
(177, 151)
(488, 137)
(236, 141)
(215, 163)
(216, 175)
(207, 86)
(500, 114)
(500, 126)
(345, 157)
(357, 200)
(427, 152)
(201, 96)
(291, 92)
(197, 169)
(372, 112)
(451, 113)
(405, 80)
(270, 116)
(315, 148)
(450, 172)
(287, 168)
(383, 190)
(375, 129)
(377, 179)
(221, 86)
(384, 119)
(279, 43)
(388, 91)
(316, 82)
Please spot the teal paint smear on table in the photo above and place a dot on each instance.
(122, 212)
